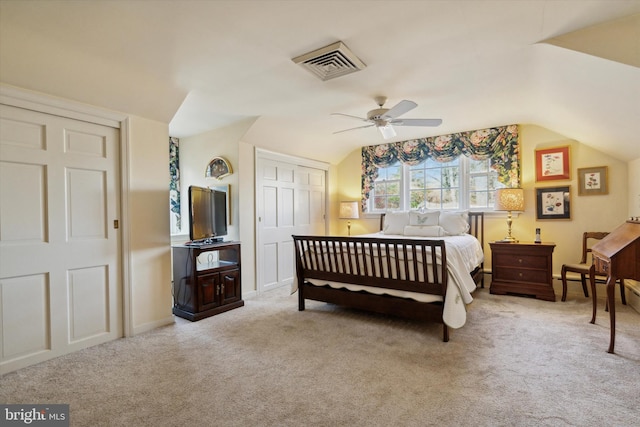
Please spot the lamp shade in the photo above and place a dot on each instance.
(509, 199)
(349, 210)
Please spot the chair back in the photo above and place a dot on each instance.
(589, 238)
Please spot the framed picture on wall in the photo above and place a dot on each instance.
(592, 181)
(553, 164)
(553, 203)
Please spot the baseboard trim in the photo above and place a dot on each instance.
(146, 327)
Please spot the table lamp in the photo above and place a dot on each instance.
(509, 199)
(349, 210)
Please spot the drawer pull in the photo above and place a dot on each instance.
(520, 260)
(520, 274)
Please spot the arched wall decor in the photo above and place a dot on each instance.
(217, 168)
(500, 144)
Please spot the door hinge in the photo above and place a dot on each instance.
(116, 224)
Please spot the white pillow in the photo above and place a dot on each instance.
(424, 231)
(454, 222)
(394, 222)
(423, 218)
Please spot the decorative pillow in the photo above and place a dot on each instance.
(394, 222)
(423, 218)
(454, 222)
(424, 231)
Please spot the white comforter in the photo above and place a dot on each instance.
(464, 253)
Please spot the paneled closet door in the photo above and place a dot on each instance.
(59, 248)
(291, 200)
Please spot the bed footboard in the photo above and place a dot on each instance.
(399, 264)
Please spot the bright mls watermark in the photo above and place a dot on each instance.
(56, 415)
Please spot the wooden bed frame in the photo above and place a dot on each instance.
(340, 266)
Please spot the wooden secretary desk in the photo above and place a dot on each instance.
(616, 256)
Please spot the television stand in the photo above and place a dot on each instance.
(206, 279)
(204, 242)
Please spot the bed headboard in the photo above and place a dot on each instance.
(476, 225)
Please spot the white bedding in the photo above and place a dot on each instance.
(464, 254)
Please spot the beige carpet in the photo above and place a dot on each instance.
(517, 361)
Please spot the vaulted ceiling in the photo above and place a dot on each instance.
(569, 66)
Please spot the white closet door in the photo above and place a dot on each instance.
(60, 253)
(291, 200)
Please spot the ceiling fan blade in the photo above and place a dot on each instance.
(416, 122)
(399, 109)
(359, 127)
(349, 115)
(387, 131)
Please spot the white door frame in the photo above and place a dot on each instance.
(17, 97)
(262, 154)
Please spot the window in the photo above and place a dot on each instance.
(434, 185)
(462, 183)
(441, 172)
(388, 185)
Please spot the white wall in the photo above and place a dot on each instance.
(195, 154)
(634, 188)
(247, 217)
(149, 242)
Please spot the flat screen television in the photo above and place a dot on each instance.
(207, 214)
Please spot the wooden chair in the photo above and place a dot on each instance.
(588, 239)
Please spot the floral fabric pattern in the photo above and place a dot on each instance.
(499, 144)
(174, 185)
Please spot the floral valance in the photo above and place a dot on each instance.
(174, 184)
(499, 144)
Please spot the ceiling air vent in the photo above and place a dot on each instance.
(331, 61)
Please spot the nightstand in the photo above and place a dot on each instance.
(522, 269)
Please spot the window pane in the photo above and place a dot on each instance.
(450, 199)
(381, 188)
(393, 187)
(478, 199)
(450, 177)
(380, 202)
(493, 182)
(491, 199)
(429, 163)
(478, 182)
(433, 199)
(393, 172)
(418, 198)
(478, 165)
(416, 178)
(433, 179)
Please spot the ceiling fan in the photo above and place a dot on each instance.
(385, 118)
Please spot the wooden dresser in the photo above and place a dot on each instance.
(617, 256)
(522, 269)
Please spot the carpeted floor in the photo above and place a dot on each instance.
(517, 362)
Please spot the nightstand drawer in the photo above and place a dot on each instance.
(521, 275)
(515, 260)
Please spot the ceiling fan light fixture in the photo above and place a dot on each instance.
(387, 131)
(331, 61)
